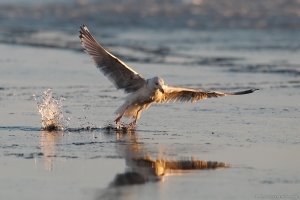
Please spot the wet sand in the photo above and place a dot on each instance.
(257, 134)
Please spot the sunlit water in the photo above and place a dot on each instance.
(257, 134)
(54, 118)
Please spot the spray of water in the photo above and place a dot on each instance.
(51, 111)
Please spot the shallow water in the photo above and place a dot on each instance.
(256, 134)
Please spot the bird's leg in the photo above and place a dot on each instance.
(133, 123)
(135, 120)
(119, 118)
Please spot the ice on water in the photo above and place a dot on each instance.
(52, 112)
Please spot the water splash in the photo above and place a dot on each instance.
(111, 126)
(51, 111)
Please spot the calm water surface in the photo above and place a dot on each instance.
(257, 134)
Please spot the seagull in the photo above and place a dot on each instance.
(141, 92)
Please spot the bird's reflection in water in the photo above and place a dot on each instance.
(141, 168)
(49, 148)
(125, 185)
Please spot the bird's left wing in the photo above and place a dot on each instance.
(174, 94)
(121, 75)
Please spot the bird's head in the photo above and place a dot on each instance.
(158, 83)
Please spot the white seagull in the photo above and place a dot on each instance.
(142, 92)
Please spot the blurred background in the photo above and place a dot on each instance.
(165, 31)
(197, 14)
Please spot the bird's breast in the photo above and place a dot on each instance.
(157, 95)
(146, 96)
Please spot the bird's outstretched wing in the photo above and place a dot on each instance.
(122, 76)
(173, 94)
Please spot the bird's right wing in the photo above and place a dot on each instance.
(174, 94)
(122, 76)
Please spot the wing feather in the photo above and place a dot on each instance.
(122, 76)
(174, 94)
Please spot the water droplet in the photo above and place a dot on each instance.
(51, 111)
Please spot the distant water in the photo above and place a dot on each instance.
(30, 2)
(180, 32)
(197, 14)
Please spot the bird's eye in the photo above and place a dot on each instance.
(156, 83)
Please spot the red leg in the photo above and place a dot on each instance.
(133, 123)
(119, 118)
